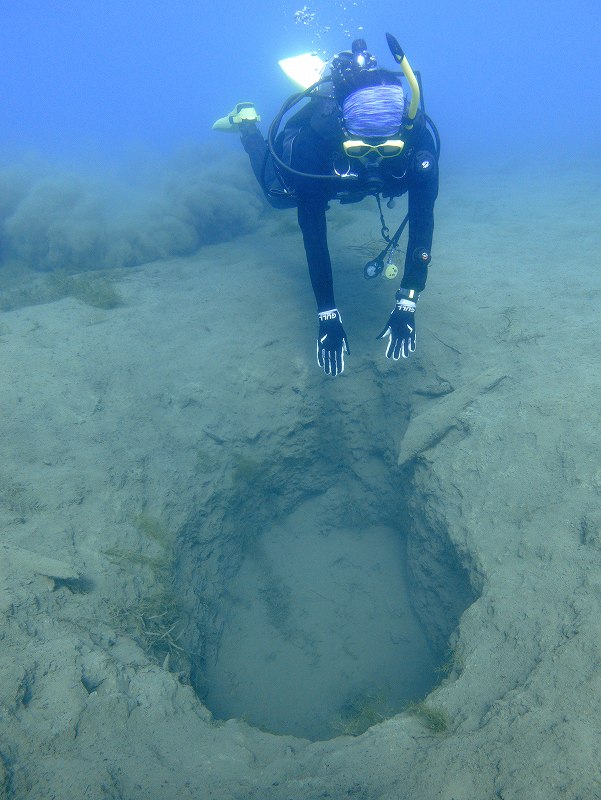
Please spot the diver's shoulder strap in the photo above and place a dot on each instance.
(325, 119)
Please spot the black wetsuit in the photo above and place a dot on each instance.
(311, 143)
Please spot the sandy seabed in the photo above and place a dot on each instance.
(151, 408)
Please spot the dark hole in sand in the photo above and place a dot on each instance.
(318, 636)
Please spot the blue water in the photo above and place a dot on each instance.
(93, 79)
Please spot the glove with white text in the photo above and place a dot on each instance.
(400, 329)
(331, 343)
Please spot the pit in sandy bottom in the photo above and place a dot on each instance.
(318, 636)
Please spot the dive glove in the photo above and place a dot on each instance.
(331, 342)
(400, 328)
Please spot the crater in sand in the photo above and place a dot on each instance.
(318, 636)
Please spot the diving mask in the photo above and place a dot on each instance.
(356, 148)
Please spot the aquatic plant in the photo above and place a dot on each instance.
(18, 499)
(368, 248)
(94, 290)
(453, 663)
(435, 718)
(19, 291)
(155, 618)
(362, 712)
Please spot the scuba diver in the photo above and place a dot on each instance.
(358, 135)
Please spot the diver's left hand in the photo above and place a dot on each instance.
(400, 329)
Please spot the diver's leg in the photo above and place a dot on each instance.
(257, 150)
(243, 120)
(264, 169)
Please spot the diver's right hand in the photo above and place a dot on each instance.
(331, 342)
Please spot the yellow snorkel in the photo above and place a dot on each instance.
(401, 58)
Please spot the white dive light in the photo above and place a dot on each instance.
(304, 70)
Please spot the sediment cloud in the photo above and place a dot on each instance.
(55, 217)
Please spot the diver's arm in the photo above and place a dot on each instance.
(332, 343)
(421, 231)
(423, 190)
(312, 222)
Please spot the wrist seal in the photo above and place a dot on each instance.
(406, 294)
